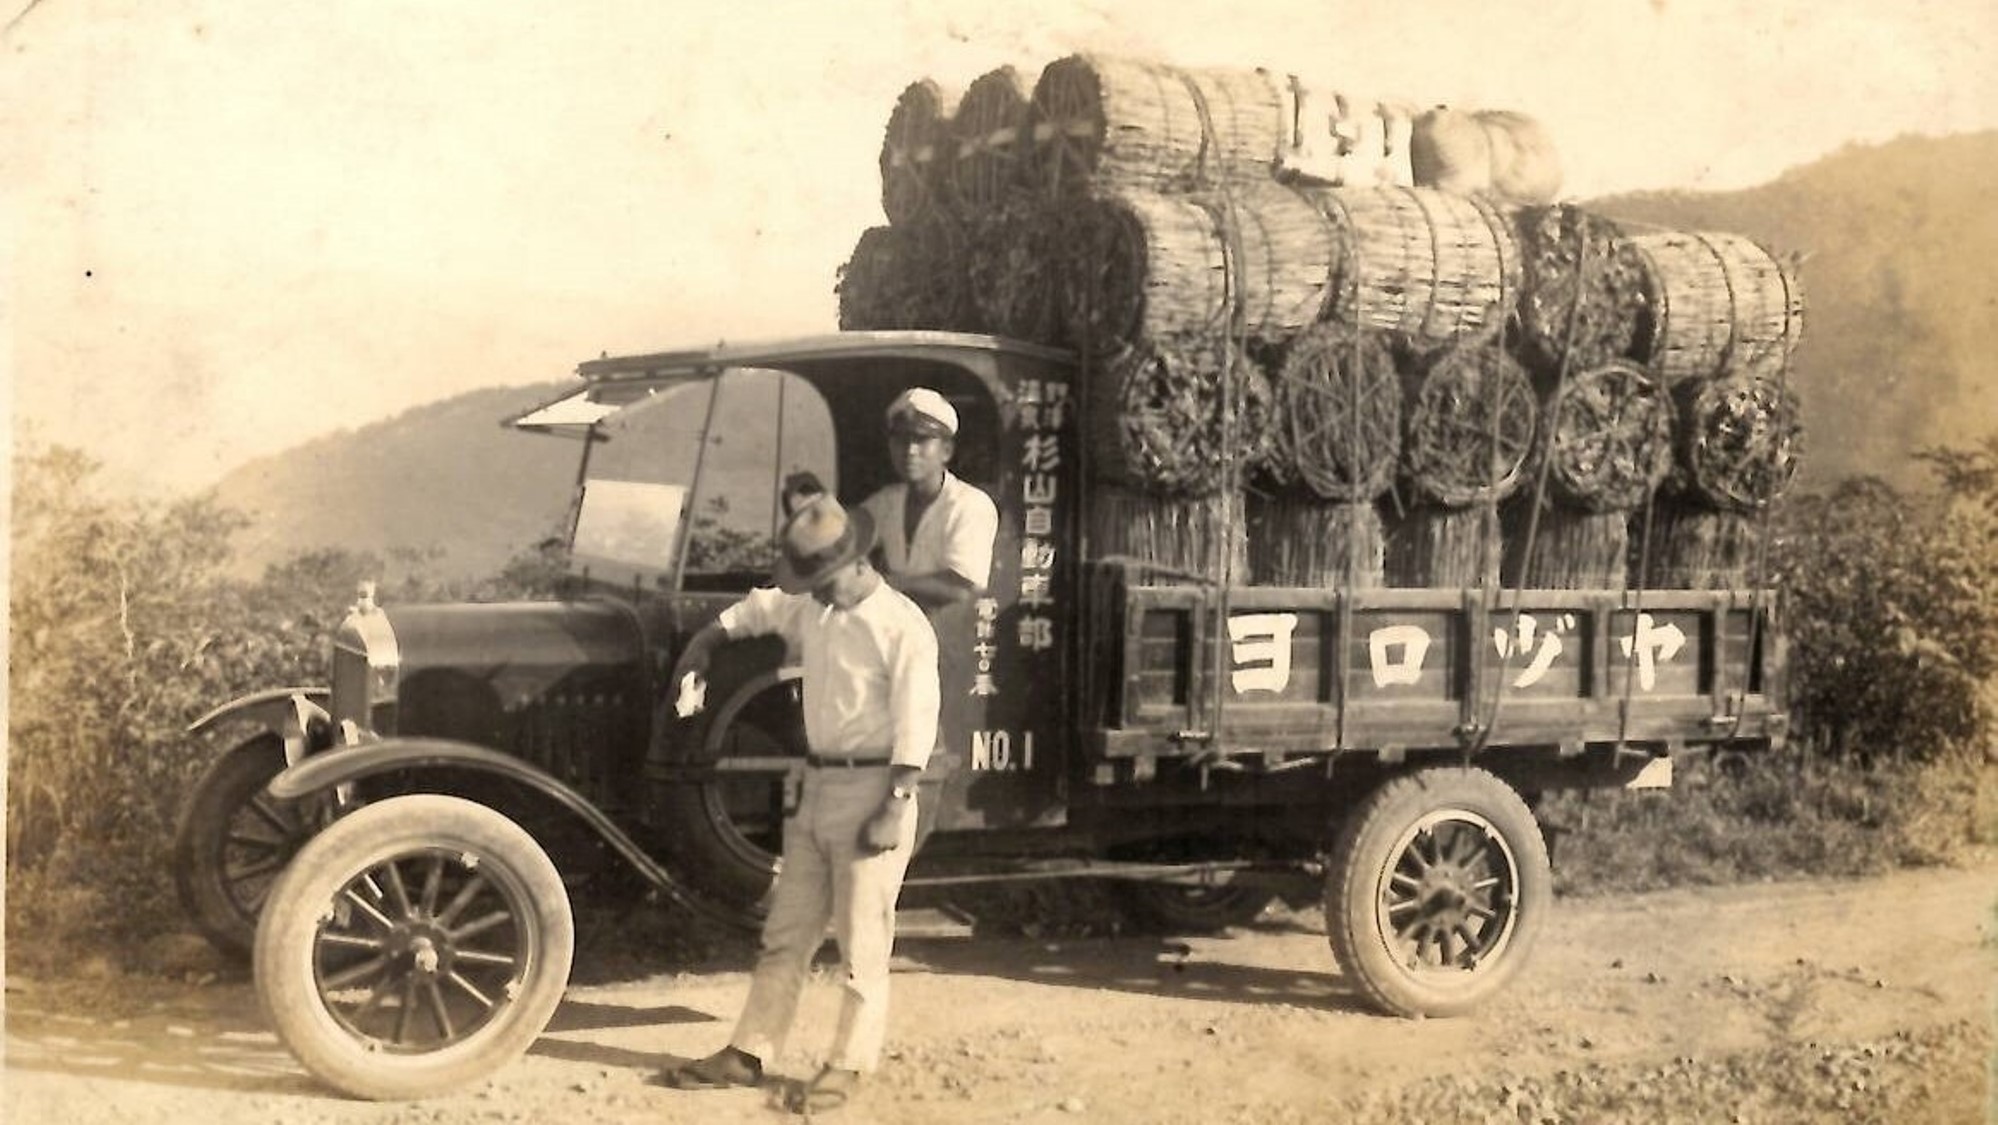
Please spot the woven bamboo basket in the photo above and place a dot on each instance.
(1306, 541)
(1606, 436)
(1570, 548)
(1155, 417)
(1695, 547)
(1433, 546)
(1185, 537)
(1337, 417)
(1012, 271)
(1741, 440)
(1719, 305)
(1429, 265)
(991, 142)
(907, 276)
(1106, 123)
(1142, 265)
(1468, 425)
(913, 151)
(1585, 291)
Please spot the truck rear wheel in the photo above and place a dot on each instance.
(413, 947)
(1438, 886)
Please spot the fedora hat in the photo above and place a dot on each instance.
(819, 539)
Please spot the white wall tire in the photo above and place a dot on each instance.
(414, 947)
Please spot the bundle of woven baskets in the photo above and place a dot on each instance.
(1300, 356)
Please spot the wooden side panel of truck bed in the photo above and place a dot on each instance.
(1302, 670)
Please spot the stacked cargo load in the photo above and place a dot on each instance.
(1330, 340)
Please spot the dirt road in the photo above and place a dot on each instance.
(1790, 1002)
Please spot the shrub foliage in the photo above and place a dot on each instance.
(1892, 611)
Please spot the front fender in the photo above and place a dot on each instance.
(296, 715)
(402, 755)
(270, 707)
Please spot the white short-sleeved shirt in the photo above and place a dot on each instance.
(870, 672)
(955, 533)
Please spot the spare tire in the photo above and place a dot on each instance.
(724, 826)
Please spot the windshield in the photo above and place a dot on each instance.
(651, 473)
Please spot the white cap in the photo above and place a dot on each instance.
(927, 404)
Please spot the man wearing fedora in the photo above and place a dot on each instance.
(871, 701)
(936, 530)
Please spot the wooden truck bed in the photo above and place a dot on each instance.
(1395, 669)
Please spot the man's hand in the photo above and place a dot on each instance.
(882, 832)
(690, 672)
(693, 694)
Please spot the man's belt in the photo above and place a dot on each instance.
(847, 761)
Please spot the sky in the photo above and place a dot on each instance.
(231, 228)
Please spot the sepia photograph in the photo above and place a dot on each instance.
(1154, 563)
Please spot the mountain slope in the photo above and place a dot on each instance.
(443, 477)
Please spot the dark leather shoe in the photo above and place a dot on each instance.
(719, 1071)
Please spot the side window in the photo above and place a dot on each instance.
(766, 425)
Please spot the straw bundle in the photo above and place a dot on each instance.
(1469, 425)
(913, 151)
(905, 277)
(1305, 541)
(1694, 547)
(1108, 123)
(1183, 536)
(1432, 266)
(1607, 437)
(1432, 546)
(1570, 549)
(1486, 151)
(1144, 265)
(992, 141)
(1337, 418)
(1012, 271)
(1288, 252)
(1720, 304)
(1157, 420)
(1741, 441)
(1585, 289)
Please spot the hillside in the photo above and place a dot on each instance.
(443, 477)
(1901, 319)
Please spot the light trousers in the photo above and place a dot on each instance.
(825, 878)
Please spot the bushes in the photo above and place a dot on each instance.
(1892, 611)
(124, 631)
(1771, 816)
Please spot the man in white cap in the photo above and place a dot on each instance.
(871, 701)
(936, 530)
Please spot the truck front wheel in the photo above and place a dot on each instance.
(414, 947)
(231, 842)
(1438, 886)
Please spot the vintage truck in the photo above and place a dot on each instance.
(384, 843)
